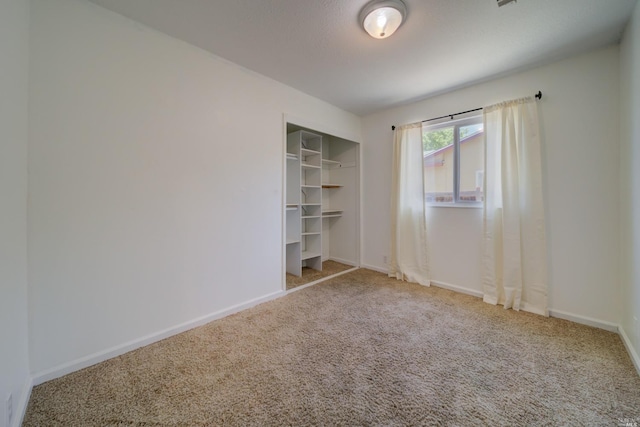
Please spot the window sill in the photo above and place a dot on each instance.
(455, 205)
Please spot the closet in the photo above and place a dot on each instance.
(322, 202)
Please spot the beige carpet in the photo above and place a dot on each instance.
(359, 350)
(329, 268)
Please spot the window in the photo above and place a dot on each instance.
(454, 162)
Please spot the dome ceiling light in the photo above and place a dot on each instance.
(381, 18)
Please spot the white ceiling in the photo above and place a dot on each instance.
(318, 46)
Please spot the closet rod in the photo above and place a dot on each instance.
(537, 95)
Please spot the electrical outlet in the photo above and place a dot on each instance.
(8, 410)
(384, 259)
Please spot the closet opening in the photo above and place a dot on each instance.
(322, 206)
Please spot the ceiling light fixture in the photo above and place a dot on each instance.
(381, 18)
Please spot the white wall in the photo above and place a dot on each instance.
(155, 181)
(14, 44)
(579, 118)
(630, 180)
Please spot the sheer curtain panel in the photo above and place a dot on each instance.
(409, 260)
(514, 258)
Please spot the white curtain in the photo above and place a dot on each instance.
(409, 259)
(514, 258)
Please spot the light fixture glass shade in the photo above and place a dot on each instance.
(382, 18)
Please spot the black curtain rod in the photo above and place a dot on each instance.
(537, 95)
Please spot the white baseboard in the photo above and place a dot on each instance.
(374, 268)
(635, 358)
(443, 285)
(101, 356)
(607, 326)
(21, 407)
(342, 261)
(456, 288)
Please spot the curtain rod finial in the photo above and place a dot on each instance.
(393, 128)
(539, 94)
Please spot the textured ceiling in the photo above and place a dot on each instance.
(318, 47)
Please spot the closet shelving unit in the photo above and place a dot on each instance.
(322, 207)
(304, 185)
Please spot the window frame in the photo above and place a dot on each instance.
(457, 124)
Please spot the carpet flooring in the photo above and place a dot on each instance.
(309, 275)
(358, 350)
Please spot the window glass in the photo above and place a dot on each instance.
(471, 163)
(454, 162)
(437, 146)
